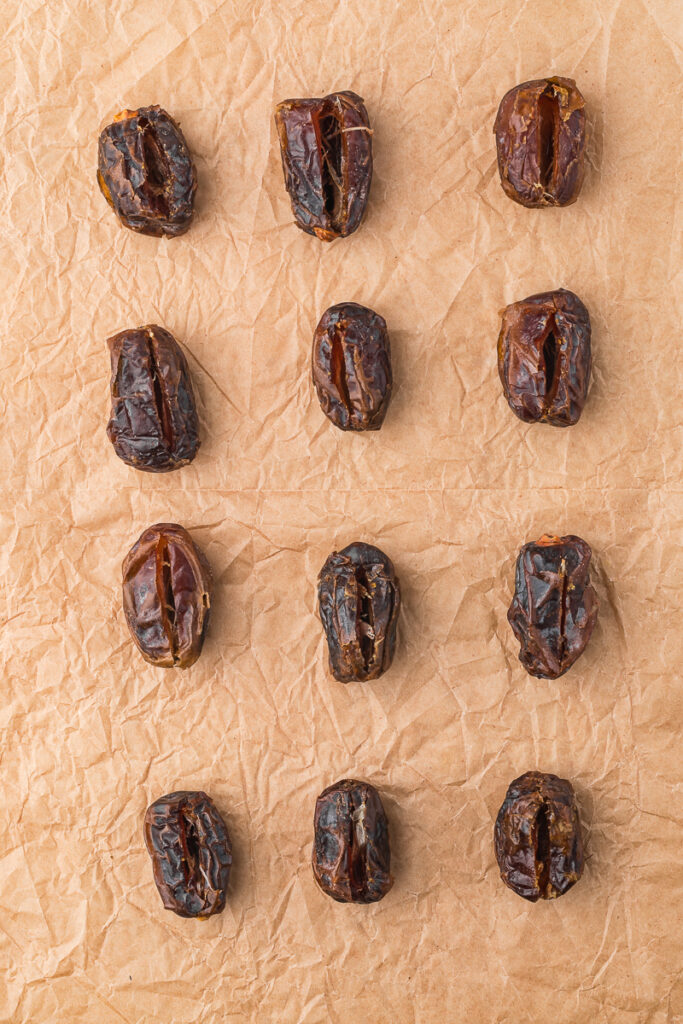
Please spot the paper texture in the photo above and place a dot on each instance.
(450, 488)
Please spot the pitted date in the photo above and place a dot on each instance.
(359, 598)
(191, 853)
(146, 173)
(537, 837)
(555, 606)
(352, 366)
(351, 854)
(326, 148)
(540, 134)
(544, 357)
(153, 425)
(167, 596)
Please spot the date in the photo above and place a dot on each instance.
(537, 837)
(153, 424)
(555, 606)
(351, 853)
(351, 366)
(540, 134)
(544, 357)
(191, 853)
(167, 596)
(359, 599)
(326, 148)
(146, 173)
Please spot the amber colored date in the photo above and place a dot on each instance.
(153, 425)
(351, 366)
(191, 853)
(555, 606)
(359, 598)
(326, 148)
(351, 854)
(537, 837)
(544, 357)
(146, 173)
(540, 134)
(167, 596)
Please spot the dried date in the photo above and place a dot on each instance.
(191, 853)
(544, 357)
(555, 606)
(540, 134)
(351, 366)
(326, 148)
(537, 837)
(351, 853)
(167, 596)
(153, 425)
(146, 173)
(359, 598)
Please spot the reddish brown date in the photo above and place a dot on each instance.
(326, 148)
(145, 172)
(351, 854)
(153, 425)
(544, 357)
(352, 366)
(555, 606)
(167, 596)
(359, 600)
(540, 134)
(191, 853)
(537, 837)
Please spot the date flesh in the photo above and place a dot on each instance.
(146, 173)
(555, 606)
(544, 357)
(359, 598)
(153, 425)
(352, 366)
(326, 148)
(537, 837)
(167, 596)
(351, 854)
(191, 853)
(540, 134)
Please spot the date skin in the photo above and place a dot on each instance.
(351, 366)
(146, 173)
(544, 357)
(167, 596)
(359, 599)
(153, 425)
(326, 148)
(191, 853)
(351, 854)
(537, 837)
(555, 606)
(540, 134)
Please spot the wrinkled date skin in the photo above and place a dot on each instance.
(167, 596)
(544, 357)
(540, 134)
(352, 366)
(555, 606)
(537, 837)
(359, 600)
(153, 425)
(326, 147)
(145, 172)
(191, 853)
(351, 854)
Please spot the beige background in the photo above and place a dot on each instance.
(450, 488)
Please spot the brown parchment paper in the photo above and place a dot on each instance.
(450, 487)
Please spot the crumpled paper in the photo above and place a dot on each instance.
(450, 488)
